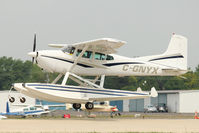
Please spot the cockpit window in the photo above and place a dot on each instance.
(70, 49)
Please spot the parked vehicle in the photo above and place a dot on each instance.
(162, 107)
(150, 108)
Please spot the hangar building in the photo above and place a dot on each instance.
(177, 101)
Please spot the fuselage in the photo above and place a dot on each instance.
(61, 62)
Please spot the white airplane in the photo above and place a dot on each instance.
(98, 107)
(26, 110)
(97, 58)
(2, 117)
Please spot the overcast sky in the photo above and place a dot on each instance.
(146, 25)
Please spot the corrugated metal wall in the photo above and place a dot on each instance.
(173, 102)
(162, 98)
(136, 105)
(189, 102)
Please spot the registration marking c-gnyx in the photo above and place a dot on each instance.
(140, 69)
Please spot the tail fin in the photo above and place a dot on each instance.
(153, 92)
(7, 108)
(139, 89)
(176, 54)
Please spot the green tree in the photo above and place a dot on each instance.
(12, 71)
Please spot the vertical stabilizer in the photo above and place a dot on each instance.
(175, 55)
(7, 108)
(178, 48)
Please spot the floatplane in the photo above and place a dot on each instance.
(97, 58)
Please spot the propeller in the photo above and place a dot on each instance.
(34, 47)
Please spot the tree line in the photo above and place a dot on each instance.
(18, 71)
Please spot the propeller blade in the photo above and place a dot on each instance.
(33, 59)
(34, 45)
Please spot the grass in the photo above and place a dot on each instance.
(124, 116)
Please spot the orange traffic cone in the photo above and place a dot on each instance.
(196, 115)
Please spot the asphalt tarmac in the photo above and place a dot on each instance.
(99, 125)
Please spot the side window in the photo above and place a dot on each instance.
(109, 57)
(32, 108)
(87, 54)
(103, 57)
(99, 56)
(78, 52)
(25, 109)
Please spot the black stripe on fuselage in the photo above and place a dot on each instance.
(99, 90)
(83, 65)
(80, 64)
(121, 63)
(169, 57)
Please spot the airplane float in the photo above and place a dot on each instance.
(97, 58)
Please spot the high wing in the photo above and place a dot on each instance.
(103, 45)
(21, 105)
(57, 45)
(36, 113)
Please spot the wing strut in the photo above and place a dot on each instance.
(57, 78)
(84, 80)
(65, 78)
(102, 81)
(78, 81)
(96, 79)
(74, 64)
(77, 59)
